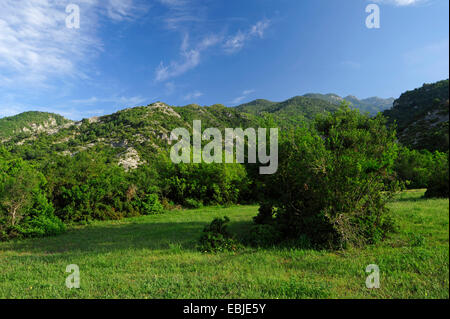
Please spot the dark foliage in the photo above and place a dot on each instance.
(217, 238)
(333, 181)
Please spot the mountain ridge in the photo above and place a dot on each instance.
(133, 136)
(421, 117)
(373, 104)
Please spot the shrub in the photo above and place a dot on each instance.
(423, 169)
(24, 208)
(265, 214)
(333, 181)
(216, 238)
(150, 205)
(439, 180)
(414, 167)
(40, 220)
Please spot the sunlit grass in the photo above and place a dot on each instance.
(155, 257)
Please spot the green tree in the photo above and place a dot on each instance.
(333, 181)
(24, 208)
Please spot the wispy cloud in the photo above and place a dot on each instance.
(242, 97)
(120, 10)
(36, 46)
(193, 95)
(399, 3)
(190, 59)
(181, 12)
(191, 55)
(117, 100)
(238, 41)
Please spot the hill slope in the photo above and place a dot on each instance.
(29, 123)
(129, 137)
(422, 117)
(289, 112)
(373, 105)
(311, 104)
(134, 136)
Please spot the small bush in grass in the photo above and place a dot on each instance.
(216, 238)
(150, 205)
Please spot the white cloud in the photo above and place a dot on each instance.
(235, 42)
(242, 97)
(122, 9)
(259, 28)
(238, 41)
(247, 92)
(190, 60)
(180, 13)
(399, 3)
(193, 95)
(190, 56)
(117, 100)
(36, 46)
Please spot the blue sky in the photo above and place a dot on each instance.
(135, 52)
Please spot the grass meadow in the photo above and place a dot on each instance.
(155, 257)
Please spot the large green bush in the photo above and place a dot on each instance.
(24, 208)
(333, 181)
(439, 179)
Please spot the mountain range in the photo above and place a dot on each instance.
(373, 105)
(421, 117)
(134, 136)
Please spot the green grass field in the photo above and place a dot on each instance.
(155, 257)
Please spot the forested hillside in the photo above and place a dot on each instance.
(422, 117)
(30, 123)
(291, 112)
(308, 105)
